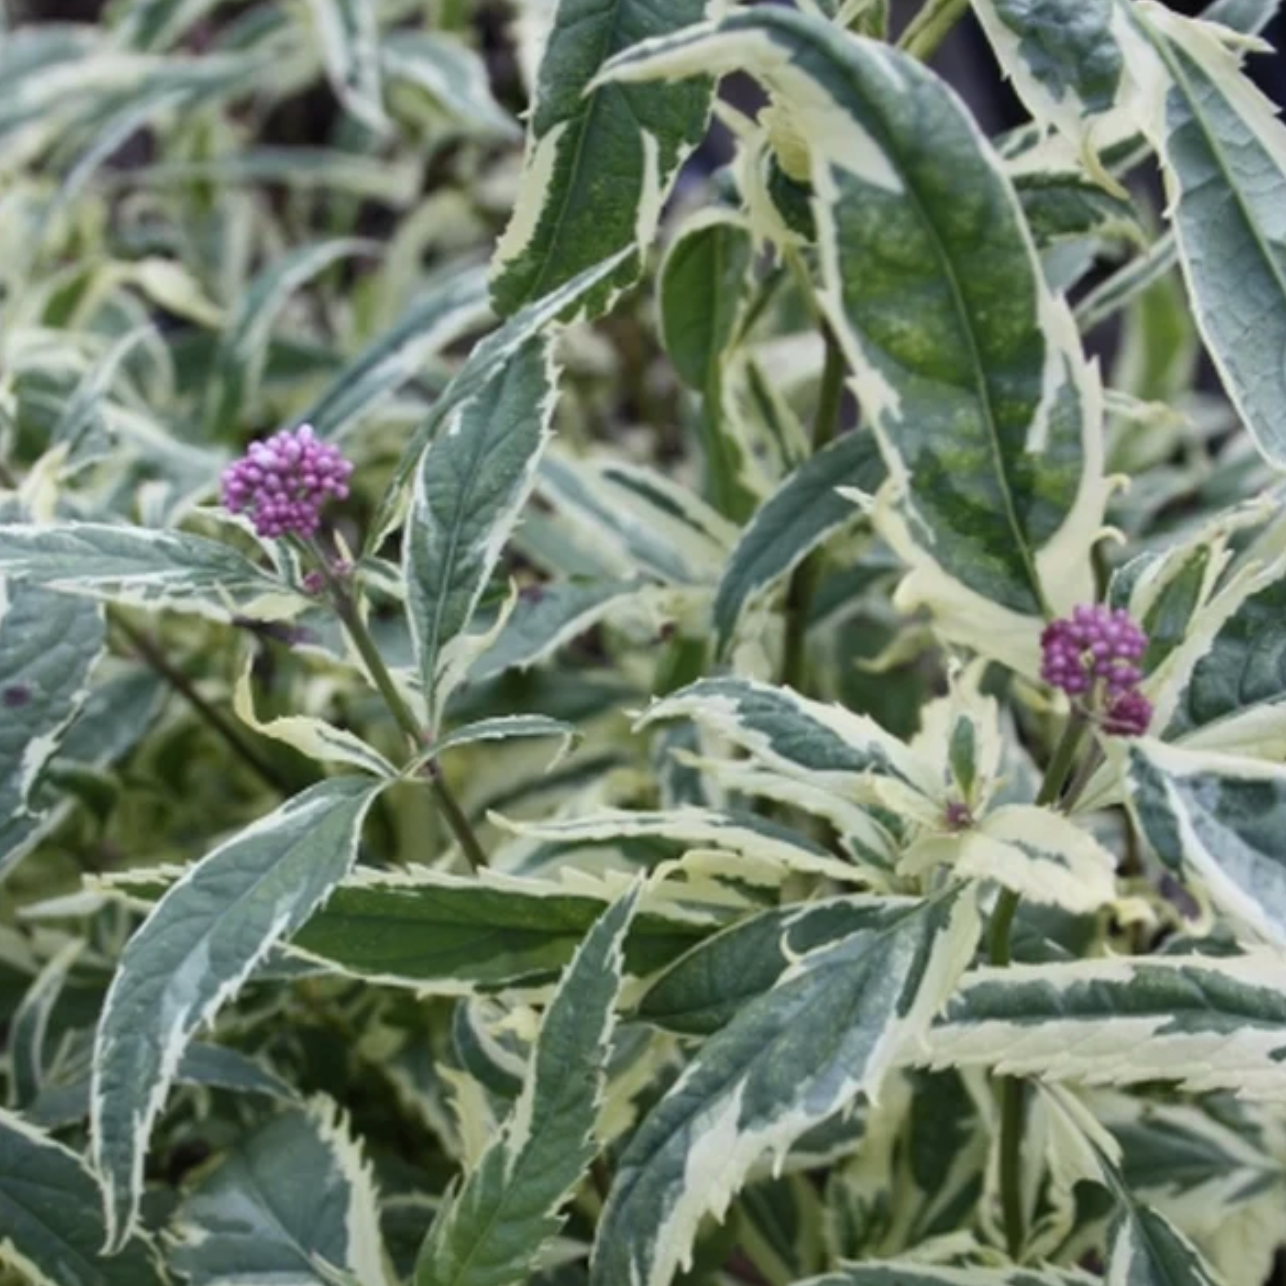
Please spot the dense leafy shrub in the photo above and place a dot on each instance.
(529, 756)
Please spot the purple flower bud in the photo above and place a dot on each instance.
(1127, 715)
(283, 482)
(1093, 652)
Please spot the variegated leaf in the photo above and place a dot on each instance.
(1033, 851)
(507, 726)
(1221, 818)
(243, 348)
(470, 488)
(600, 158)
(795, 520)
(48, 645)
(195, 950)
(638, 518)
(51, 1227)
(968, 368)
(907, 1272)
(1204, 1022)
(455, 76)
(292, 1201)
(1234, 695)
(487, 359)
(1146, 1249)
(824, 743)
(828, 1031)
(705, 988)
(140, 567)
(452, 935)
(26, 1037)
(444, 311)
(348, 31)
(510, 1203)
(316, 738)
(1224, 156)
(549, 615)
(1062, 56)
(755, 839)
(702, 289)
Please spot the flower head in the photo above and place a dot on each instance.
(1093, 656)
(284, 481)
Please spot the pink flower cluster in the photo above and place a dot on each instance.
(283, 482)
(1094, 654)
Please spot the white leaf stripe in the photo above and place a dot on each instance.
(200, 943)
(1203, 1022)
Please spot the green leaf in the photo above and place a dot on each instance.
(968, 368)
(445, 310)
(600, 158)
(701, 288)
(294, 1192)
(790, 1058)
(193, 953)
(1221, 818)
(49, 1213)
(349, 33)
(1224, 154)
(486, 360)
(546, 617)
(705, 989)
(470, 488)
(795, 520)
(1202, 1021)
(243, 348)
(140, 567)
(509, 1205)
(48, 645)
(452, 935)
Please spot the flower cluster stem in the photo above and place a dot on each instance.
(931, 26)
(155, 658)
(1013, 1093)
(347, 611)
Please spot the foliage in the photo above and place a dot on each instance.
(732, 750)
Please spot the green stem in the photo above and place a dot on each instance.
(803, 584)
(347, 611)
(1061, 762)
(156, 659)
(1013, 1092)
(930, 27)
